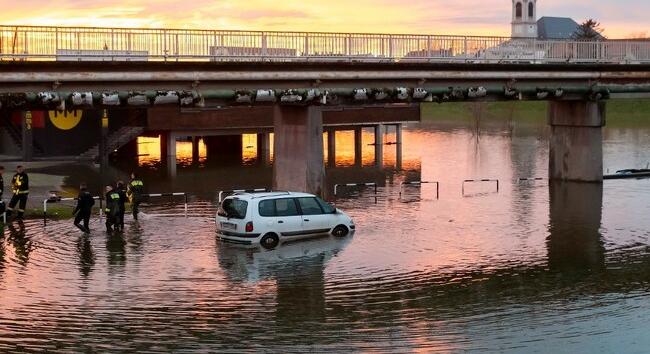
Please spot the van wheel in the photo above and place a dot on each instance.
(340, 231)
(270, 241)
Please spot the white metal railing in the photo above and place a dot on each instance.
(130, 44)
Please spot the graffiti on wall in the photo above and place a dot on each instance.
(65, 120)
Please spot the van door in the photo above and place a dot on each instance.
(281, 216)
(314, 219)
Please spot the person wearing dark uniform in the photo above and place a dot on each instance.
(121, 190)
(112, 209)
(2, 187)
(135, 191)
(82, 211)
(20, 189)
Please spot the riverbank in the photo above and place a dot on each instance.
(45, 178)
(627, 113)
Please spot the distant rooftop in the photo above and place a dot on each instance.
(556, 27)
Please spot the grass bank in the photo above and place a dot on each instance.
(628, 113)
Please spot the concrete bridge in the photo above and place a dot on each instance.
(296, 93)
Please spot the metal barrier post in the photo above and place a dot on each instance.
(419, 183)
(185, 195)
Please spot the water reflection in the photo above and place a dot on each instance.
(574, 241)
(533, 268)
(21, 243)
(116, 251)
(253, 265)
(86, 255)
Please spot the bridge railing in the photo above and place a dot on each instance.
(124, 44)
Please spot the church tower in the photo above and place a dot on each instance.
(524, 18)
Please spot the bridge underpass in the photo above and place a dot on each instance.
(300, 98)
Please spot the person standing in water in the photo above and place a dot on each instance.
(83, 210)
(20, 189)
(135, 191)
(112, 209)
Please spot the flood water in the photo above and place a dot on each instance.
(532, 268)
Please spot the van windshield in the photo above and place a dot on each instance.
(234, 208)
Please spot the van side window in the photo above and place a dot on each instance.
(278, 207)
(286, 207)
(310, 206)
(267, 208)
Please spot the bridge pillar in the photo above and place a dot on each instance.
(380, 131)
(576, 142)
(358, 146)
(398, 147)
(298, 148)
(331, 148)
(171, 154)
(195, 150)
(264, 148)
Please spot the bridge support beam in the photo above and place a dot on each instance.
(195, 150)
(171, 154)
(398, 147)
(380, 131)
(331, 148)
(264, 148)
(576, 142)
(298, 148)
(358, 146)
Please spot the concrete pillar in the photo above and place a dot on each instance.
(398, 147)
(195, 150)
(380, 131)
(103, 143)
(358, 146)
(298, 148)
(28, 136)
(331, 148)
(171, 154)
(264, 148)
(576, 142)
(575, 243)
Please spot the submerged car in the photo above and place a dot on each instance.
(266, 219)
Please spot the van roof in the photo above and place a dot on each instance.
(264, 195)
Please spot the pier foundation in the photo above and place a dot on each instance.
(298, 149)
(576, 142)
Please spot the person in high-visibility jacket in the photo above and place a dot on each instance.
(20, 190)
(112, 209)
(135, 192)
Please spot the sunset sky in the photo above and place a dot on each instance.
(620, 18)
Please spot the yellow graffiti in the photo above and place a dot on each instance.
(65, 120)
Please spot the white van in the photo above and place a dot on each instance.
(267, 218)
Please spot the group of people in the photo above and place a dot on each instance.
(116, 198)
(20, 192)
